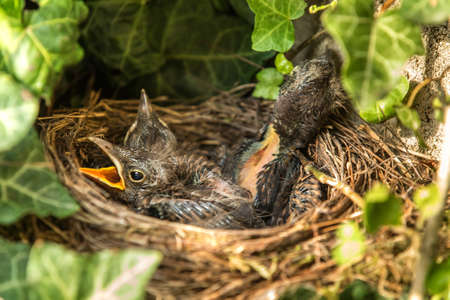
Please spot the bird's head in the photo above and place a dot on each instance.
(306, 99)
(142, 163)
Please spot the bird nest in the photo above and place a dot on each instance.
(210, 264)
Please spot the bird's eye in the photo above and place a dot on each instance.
(136, 176)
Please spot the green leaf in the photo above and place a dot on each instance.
(121, 35)
(283, 65)
(351, 244)
(38, 44)
(301, 293)
(427, 199)
(273, 23)
(408, 117)
(28, 186)
(375, 48)
(438, 278)
(64, 274)
(13, 263)
(385, 108)
(178, 48)
(381, 208)
(270, 76)
(360, 290)
(268, 86)
(18, 110)
(425, 11)
(241, 8)
(266, 91)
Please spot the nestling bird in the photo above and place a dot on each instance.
(156, 178)
(269, 167)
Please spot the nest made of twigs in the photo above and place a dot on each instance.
(210, 264)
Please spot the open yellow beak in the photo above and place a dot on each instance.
(108, 176)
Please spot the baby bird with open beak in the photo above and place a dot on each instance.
(154, 177)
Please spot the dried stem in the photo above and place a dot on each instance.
(430, 235)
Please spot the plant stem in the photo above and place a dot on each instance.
(430, 234)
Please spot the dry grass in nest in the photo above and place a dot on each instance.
(214, 264)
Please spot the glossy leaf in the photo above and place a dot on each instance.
(351, 244)
(104, 275)
(268, 86)
(425, 11)
(273, 23)
(38, 44)
(381, 208)
(375, 48)
(13, 263)
(283, 65)
(427, 199)
(385, 108)
(179, 48)
(28, 186)
(18, 110)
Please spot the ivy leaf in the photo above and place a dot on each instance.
(38, 44)
(301, 293)
(375, 48)
(268, 86)
(360, 290)
(119, 33)
(104, 275)
(427, 200)
(273, 23)
(351, 244)
(425, 11)
(385, 108)
(283, 65)
(438, 278)
(13, 263)
(408, 117)
(18, 110)
(28, 186)
(178, 48)
(381, 208)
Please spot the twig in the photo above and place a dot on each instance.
(430, 235)
(416, 90)
(325, 179)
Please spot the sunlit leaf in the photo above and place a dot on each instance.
(268, 86)
(381, 208)
(283, 65)
(425, 11)
(273, 23)
(28, 186)
(18, 110)
(64, 274)
(13, 263)
(427, 199)
(385, 108)
(351, 244)
(408, 117)
(374, 48)
(38, 44)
